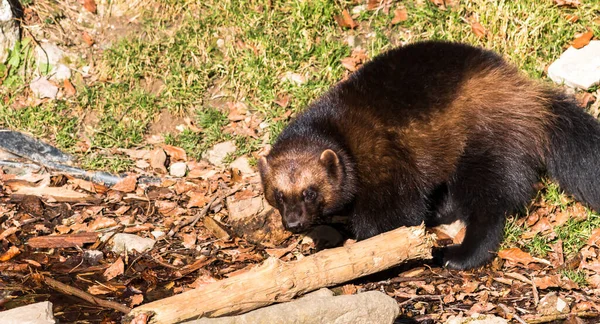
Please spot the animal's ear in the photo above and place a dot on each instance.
(329, 159)
(263, 166)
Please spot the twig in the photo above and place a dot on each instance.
(551, 318)
(412, 298)
(66, 289)
(203, 213)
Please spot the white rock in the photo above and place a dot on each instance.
(43, 88)
(294, 78)
(48, 53)
(243, 165)
(38, 313)
(218, 152)
(157, 234)
(577, 68)
(178, 169)
(123, 242)
(9, 30)
(61, 72)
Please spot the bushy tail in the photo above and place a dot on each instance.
(573, 159)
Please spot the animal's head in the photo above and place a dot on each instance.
(304, 186)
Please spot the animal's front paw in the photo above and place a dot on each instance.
(462, 258)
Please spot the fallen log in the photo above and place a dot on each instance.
(276, 281)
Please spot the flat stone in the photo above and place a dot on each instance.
(48, 53)
(61, 72)
(243, 165)
(123, 242)
(577, 68)
(218, 152)
(372, 307)
(93, 257)
(43, 88)
(178, 169)
(38, 313)
(256, 221)
(553, 304)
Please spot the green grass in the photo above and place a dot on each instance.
(241, 50)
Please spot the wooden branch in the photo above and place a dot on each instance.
(66, 289)
(278, 281)
(63, 241)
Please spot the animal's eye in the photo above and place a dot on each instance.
(279, 196)
(309, 195)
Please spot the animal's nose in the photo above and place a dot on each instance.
(293, 226)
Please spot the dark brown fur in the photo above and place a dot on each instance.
(432, 132)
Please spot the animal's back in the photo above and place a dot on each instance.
(419, 107)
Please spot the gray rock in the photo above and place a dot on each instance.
(243, 165)
(43, 88)
(93, 257)
(178, 169)
(61, 72)
(553, 304)
(48, 54)
(365, 308)
(577, 68)
(38, 313)
(9, 30)
(218, 152)
(123, 242)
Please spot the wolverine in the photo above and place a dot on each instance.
(432, 132)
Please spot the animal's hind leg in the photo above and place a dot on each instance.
(487, 187)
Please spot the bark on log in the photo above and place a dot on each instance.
(277, 281)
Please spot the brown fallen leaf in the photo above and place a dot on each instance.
(87, 38)
(100, 289)
(158, 158)
(216, 228)
(102, 222)
(585, 99)
(115, 269)
(542, 226)
(175, 153)
(560, 218)
(345, 20)
(349, 289)
(374, 4)
(197, 199)
(90, 5)
(519, 256)
(572, 18)
(478, 29)
(189, 240)
(128, 184)
(547, 281)
(12, 252)
(69, 88)
(594, 239)
(567, 3)
(169, 208)
(400, 15)
(583, 39)
(283, 100)
(136, 300)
